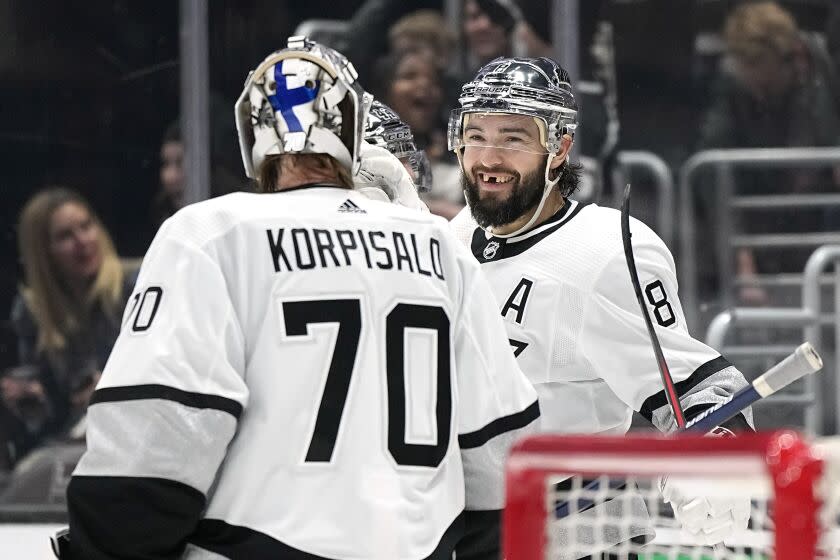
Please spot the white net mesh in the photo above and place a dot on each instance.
(623, 516)
(602, 500)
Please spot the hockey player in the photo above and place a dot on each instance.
(304, 373)
(386, 130)
(559, 274)
(382, 177)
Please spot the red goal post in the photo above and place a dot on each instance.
(552, 516)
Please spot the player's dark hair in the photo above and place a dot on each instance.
(570, 174)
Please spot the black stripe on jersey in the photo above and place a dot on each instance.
(131, 517)
(737, 423)
(512, 247)
(499, 426)
(242, 543)
(701, 373)
(186, 398)
(482, 537)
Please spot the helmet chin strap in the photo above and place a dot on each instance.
(549, 184)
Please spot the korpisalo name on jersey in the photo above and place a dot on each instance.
(305, 248)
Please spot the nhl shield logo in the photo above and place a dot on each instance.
(490, 250)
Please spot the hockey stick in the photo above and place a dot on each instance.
(803, 361)
(562, 509)
(664, 372)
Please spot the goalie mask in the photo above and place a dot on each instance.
(386, 130)
(304, 99)
(535, 87)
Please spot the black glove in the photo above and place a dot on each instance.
(61, 544)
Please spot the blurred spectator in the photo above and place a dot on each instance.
(366, 38)
(225, 174)
(494, 28)
(533, 33)
(170, 198)
(67, 313)
(775, 92)
(488, 29)
(25, 412)
(410, 83)
(426, 32)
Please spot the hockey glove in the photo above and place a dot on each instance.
(61, 544)
(709, 519)
(384, 177)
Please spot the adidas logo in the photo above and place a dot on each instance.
(350, 206)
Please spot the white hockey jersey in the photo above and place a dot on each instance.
(304, 374)
(575, 325)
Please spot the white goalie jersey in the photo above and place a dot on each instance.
(575, 325)
(304, 374)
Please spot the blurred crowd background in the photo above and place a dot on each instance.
(93, 156)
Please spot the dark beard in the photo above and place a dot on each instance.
(490, 212)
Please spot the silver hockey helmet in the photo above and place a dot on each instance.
(536, 87)
(303, 99)
(385, 129)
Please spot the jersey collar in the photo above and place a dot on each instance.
(488, 248)
(311, 186)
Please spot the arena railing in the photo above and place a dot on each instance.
(663, 181)
(723, 161)
(810, 317)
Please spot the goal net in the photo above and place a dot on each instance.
(572, 497)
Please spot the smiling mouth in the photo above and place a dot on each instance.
(495, 178)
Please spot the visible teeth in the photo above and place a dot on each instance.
(495, 178)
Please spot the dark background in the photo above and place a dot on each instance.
(87, 88)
